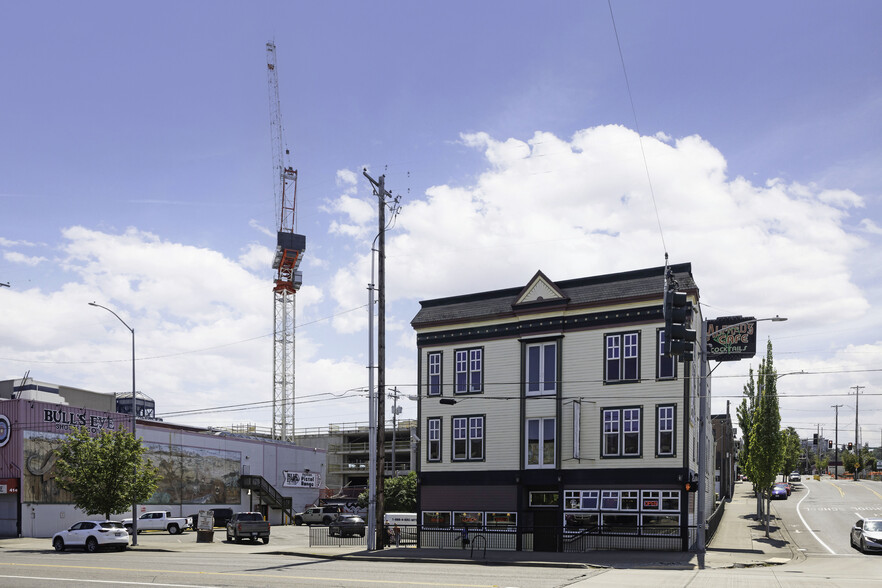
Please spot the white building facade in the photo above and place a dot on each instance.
(550, 420)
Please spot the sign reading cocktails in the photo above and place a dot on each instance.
(730, 338)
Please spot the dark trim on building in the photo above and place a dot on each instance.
(579, 322)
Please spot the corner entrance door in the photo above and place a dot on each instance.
(547, 530)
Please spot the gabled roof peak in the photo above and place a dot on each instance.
(540, 290)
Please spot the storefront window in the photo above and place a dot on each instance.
(468, 519)
(436, 519)
(500, 519)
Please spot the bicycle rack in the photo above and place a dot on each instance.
(483, 542)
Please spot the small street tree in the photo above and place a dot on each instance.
(106, 473)
(745, 420)
(792, 451)
(767, 444)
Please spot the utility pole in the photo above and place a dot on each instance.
(379, 187)
(857, 447)
(395, 412)
(836, 443)
(819, 449)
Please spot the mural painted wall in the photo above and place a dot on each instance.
(188, 475)
(194, 475)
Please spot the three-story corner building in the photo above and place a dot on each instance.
(549, 415)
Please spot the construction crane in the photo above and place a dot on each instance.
(286, 261)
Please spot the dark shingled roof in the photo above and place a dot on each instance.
(581, 292)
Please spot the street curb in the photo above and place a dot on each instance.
(436, 560)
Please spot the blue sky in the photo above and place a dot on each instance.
(135, 171)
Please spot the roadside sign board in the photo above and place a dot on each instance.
(731, 344)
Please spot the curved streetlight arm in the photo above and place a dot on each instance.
(134, 418)
(114, 314)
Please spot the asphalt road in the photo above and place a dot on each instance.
(819, 514)
(228, 569)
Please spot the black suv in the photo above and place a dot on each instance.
(221, 516)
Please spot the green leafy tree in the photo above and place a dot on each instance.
(745, 413)
(106, 473)
(767, 445)
(792, 451)
(400, 494)
(849, 461)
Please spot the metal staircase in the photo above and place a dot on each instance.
(267, 494)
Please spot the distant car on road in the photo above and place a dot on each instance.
(866, 535)
(92, 536)
(346, 526)
(795, 477)
(778, 492)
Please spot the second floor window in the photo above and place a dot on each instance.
(469, 370)
(541, 368)
(665, 430)
(621, 432)
(540, 450)
(468, 438)
(435, 373)
(622, 357)
(434, 451)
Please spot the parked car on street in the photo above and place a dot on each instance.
(778, 492)
(317, 515)
(794, 477)
(347, 526)
(92, 536)
(866, 535)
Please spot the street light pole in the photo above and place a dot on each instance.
(134, 421)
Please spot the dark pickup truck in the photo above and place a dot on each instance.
(248, 525)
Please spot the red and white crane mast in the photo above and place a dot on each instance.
(290, 247)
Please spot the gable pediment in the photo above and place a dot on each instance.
(540, 290)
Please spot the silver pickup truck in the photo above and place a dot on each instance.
(248, 525)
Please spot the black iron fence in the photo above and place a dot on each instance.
(714, 521)
(655, 538)
(332, 536)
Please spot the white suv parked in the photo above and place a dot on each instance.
(795, 477)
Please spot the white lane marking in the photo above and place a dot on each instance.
(79, 580)
(806, 525)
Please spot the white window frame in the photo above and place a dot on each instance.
(664, 360)
(433, 426)
(434, 373)
(666, 423)
(539, 384)
(623, 348)
(622, 424)
(468, 433)
(541, 440)
(469, 363)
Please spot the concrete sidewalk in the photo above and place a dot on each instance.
(740, 541)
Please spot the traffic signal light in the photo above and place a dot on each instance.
(677, 311)
(815, 439)
(829, 444)
(850, 446)
(690, 486)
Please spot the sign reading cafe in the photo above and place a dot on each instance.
(730, 338)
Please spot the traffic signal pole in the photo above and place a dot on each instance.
(700, 519)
